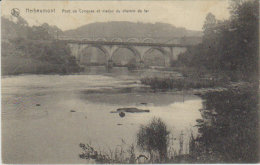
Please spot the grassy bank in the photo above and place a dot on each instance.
(182, 83)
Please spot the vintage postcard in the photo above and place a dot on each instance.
(128, 82)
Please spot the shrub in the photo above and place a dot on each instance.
(181, 83)
(154, 138)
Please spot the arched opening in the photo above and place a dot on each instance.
(155, 57)
(148, 40)
(116, 40)
(93, 56)
(125, 56)
(133, 40)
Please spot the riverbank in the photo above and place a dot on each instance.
(193, 80)
(229, 115)
(16, 65)
(199, 89)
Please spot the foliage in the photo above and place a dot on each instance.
(154, 138)
(35, 48)
(118, 155)
(228, 129)
(183, 83)
(230, 45)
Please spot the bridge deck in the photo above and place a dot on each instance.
(123, 43)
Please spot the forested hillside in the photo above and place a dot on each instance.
(161, 32)
(28, 49)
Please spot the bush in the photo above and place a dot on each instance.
(154, 139)
(118, 155)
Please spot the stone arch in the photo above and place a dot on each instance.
(164, 52)
(106, 53)
(148, 39)
(132, 49)
(132, 40)
(116, 40)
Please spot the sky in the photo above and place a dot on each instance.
(189, 14)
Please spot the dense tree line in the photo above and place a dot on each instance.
(228, 130)
(229, 46)
(33, 49)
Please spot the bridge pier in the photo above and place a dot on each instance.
(77, 61)
(110, 63)
(167, 62)
(140, 64)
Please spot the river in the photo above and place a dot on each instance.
(39, 124)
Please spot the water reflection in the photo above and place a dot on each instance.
(45, 117)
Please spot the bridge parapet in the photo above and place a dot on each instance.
(123, 43)
(176, 40)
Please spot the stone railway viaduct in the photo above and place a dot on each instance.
(139, 49)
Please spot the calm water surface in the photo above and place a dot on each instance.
(39, 127)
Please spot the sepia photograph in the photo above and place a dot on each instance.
(130, 82)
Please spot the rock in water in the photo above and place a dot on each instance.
(122, 114)
(132, 110)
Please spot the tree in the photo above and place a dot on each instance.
(245, 18)
(228, 130)
(154, 138)
(209, 25)
(21, 21)
(229, 47)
